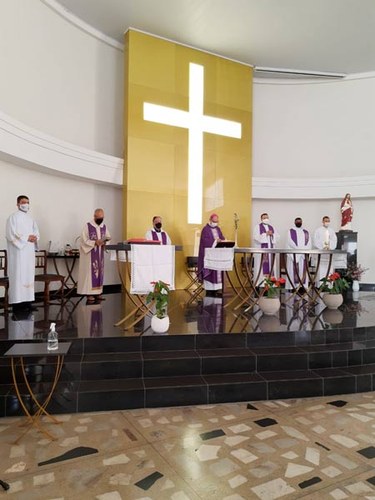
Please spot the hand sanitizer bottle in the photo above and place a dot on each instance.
(52, 339)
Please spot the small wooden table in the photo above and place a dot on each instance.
(17, 354)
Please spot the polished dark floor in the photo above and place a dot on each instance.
(75, 319)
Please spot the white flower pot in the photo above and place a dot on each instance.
(269, 305)
(160, 325)
(355, 286)
(333, 300)
(333, 316)
(269, 323)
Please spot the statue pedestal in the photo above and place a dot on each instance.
(347, 240)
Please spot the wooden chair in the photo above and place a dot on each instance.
(47, 278)
(4, 280)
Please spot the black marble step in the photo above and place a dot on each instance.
(146, 343)
(136, 372)
(147, 392)
(124, 365)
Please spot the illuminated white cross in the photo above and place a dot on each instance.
(196, 122)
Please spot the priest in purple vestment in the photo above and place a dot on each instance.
(91, 258)
(265, 236)
(210, 235)
(156, 233)
(298, 238)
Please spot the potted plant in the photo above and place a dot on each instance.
(333, 287)
(160, 296)
(354, 274)
(269, 302)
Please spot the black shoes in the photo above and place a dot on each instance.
(23, 307)
(214, 293)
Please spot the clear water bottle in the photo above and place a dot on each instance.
(52, 338)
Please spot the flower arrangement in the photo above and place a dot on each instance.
(334, 284)
(354, 272)
(160, 295)
(271, 286)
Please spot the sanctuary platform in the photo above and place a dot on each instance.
(211, 354)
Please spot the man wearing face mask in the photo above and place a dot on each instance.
(324, 239)
(91, 258)
(212, 280)
(22, 235)
(298, 238)
(156, 233)
(265, 236)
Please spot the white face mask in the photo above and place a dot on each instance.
(265, 221)
(24, 207)
(326, 224)
(213, 224)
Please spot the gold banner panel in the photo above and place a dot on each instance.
(156, 154)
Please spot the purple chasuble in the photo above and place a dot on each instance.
(206, 241)
(163, 237)
(97, 257)
(266, 263)
(296, 269)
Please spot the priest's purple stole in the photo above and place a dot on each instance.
(163, 237)
(293, 235)
(266, 264)
(97, 257)
(296, 270)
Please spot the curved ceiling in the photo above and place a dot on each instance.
(313, 35)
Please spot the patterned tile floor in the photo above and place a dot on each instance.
(321, 448)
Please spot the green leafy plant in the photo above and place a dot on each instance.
(335, 283)
(271, 286)
(160, 295)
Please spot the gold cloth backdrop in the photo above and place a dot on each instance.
(156, 155)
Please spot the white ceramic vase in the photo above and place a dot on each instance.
(269, 305)
(355, 286)
(333, 316)
(333, 300)
(269, 323)
(160, 325)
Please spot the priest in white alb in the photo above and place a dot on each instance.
(324, 239)
(91, 258)
(22, 235)
(298, 238)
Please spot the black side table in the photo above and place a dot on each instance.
(17, 354)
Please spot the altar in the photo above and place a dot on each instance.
(140, 265)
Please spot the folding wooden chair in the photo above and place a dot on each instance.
(45, 277)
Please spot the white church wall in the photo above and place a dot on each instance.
(59, 79)
(61, 206)
(312, 129)
(26, 146)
